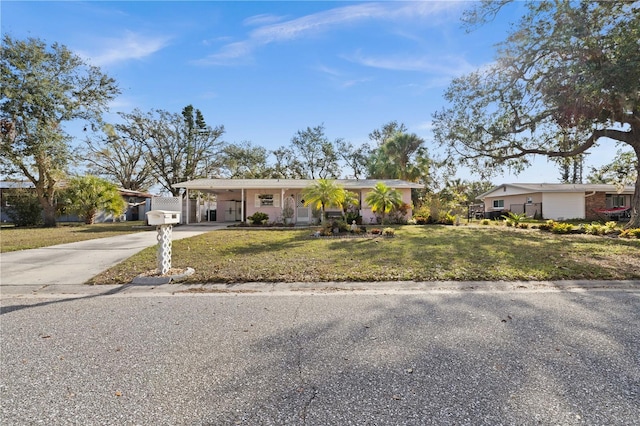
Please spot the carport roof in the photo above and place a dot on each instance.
(235, 184)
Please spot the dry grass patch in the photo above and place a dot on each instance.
(417, 253)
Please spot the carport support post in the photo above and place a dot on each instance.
(164, 248)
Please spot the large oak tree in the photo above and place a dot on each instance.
(566, 78)
(179, 147)
(117, 158)
(42, 88)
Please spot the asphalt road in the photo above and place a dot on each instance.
(524, 357)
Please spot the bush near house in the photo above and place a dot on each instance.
(447, 219)
(630, 233)
(24, 209)
(258, 218)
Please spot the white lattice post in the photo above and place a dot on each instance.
(164, 248)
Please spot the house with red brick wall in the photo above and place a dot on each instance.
(559, 201)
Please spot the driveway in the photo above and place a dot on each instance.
(75, 263)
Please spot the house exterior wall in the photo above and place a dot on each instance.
(594, 202)
(228, 204)
(563, 205)
(510, 200)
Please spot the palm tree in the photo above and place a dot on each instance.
(350, 199)
(86, 195)
(324, 193)
(400, 156)
(383, 199)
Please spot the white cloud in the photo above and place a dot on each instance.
(446, 65)
(263, 19)
(327, 70)
(321, 22)
(130, 46)
(232, 53)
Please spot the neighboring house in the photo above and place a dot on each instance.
(559, 201)
(237, 199)
(7, 188)
(137, 203)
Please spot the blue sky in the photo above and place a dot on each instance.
(266, 69)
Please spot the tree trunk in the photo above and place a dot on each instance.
(49, 213)
(90, 216)
(634, 222)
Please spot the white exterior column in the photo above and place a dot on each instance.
(187, 209)
(242, 218)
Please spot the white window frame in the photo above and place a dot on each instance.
(267, 200)
(496, 204)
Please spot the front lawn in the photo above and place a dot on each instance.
(12, 239)
(416, 253)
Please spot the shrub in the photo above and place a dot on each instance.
(421, 220)
(630, 233)
(24, 209)
(258, 217)
(513, 219)
(336, 227)
(561, 228)
(547, 226)
(523, 225)
(351, 216)
(593, 229)
(611, 227)
(599, 229)
(389, 232)
(399, 214)
(448, 219)
(485, 222)
(376, 231)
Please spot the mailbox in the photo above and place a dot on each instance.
(163, 217)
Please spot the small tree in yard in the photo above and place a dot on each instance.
(383, 199)
(87, 195)
(324, 193)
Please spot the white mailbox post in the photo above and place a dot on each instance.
(164, 221)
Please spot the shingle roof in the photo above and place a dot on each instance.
(225, 184)
(561, 187)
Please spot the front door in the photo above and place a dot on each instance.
(303, 214)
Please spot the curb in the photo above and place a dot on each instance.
(162, 279)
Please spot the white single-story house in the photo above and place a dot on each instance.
(238, 199)
(558, 201)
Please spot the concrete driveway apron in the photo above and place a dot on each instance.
(75, 263)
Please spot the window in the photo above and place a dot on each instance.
(498, 204)
(618, 201)
(266, 200)
(529, 200)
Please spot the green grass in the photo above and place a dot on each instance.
(420, 253)
(12, 239)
